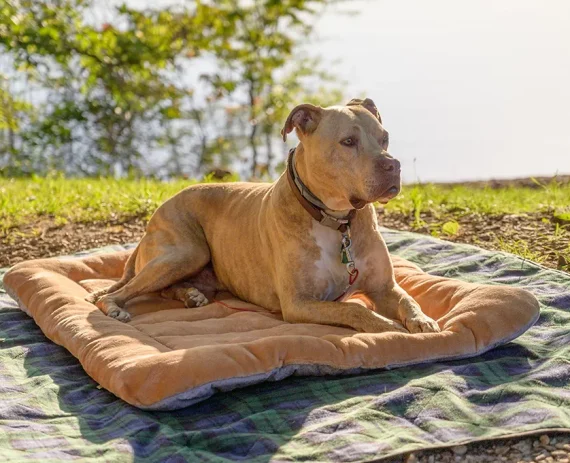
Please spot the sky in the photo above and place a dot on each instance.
(467, 89)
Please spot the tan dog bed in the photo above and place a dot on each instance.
(169, 357)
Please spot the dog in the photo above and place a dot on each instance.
(306, 245)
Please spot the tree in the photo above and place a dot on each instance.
(13, 111)
(263, 66)
(116, 93)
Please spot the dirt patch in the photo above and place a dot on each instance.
(530, 236)
(46, 239)
(544, 448)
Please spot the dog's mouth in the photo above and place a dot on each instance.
(358, 203)
(389, 194)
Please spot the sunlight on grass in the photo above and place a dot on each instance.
(522, 249)
(90, 200)
(80, 200)
(461, 199)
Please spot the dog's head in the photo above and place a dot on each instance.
(344, 155)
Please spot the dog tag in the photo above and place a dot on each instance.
(344, 255)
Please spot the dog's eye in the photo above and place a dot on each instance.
(348, 142)
(385, 141)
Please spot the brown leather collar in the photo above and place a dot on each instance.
(311, 203)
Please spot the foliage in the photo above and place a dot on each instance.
(117, 91)
(450, 228)
(14, 112)
(260, 68)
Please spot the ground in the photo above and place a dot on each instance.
(527, 217)
(531, 236)
(545, 448)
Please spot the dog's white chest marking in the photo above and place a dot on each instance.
(329, 268)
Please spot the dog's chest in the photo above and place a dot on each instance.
(331, 276)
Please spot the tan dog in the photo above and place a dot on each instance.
(266, 247)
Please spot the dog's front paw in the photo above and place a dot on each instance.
(421, 324)
(195, 298)
(119, 314)
(112, 310)
(95, 296)
(381, 324)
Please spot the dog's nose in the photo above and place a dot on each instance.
(390, 164)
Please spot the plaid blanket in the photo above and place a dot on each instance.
(51, 410)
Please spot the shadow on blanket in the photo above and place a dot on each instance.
(253, 423)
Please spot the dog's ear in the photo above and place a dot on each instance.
(368, 104)
(305, 117)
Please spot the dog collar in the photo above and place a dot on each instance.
(311, 203)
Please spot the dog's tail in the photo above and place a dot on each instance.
(128, 275)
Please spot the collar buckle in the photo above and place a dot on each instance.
(332, 222)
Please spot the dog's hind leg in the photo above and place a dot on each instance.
(168, 264)
(197, 291)
(187, 293)
(128, 274)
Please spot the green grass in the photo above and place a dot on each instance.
(521, 248)
(436, 199)
(24, 201)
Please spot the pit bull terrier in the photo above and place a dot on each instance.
(307, 245)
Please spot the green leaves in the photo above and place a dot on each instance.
(450, 228)
(117, 90)
(12, 110)
(562, 217)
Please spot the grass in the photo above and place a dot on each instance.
(91, 200)
(27, 202)
(462, 199)
(521, 248)
(23, 201)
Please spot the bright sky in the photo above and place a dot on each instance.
(469, 89)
